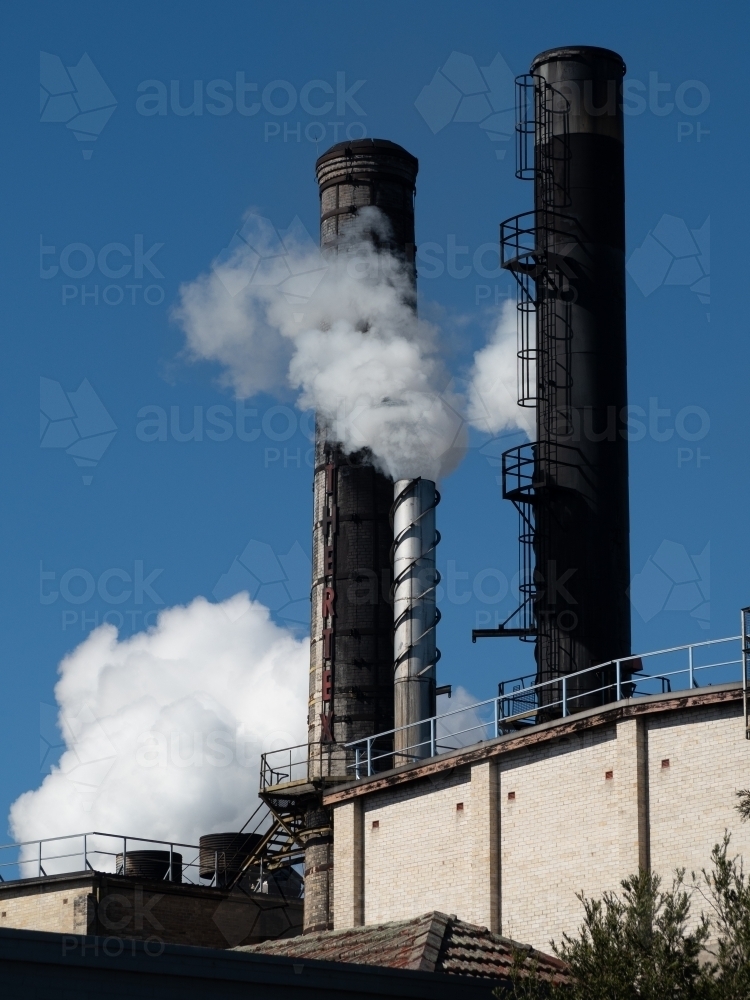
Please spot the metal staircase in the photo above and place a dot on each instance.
(533, 247)
(519, 485)
(290, 814)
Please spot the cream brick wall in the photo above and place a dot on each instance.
(348, 897)
(417, 858)
(692, 801)
(64, 911)
(588, 808)
(559, 835)
(631, 790)
(484, 846)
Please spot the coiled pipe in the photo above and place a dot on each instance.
(415, 580)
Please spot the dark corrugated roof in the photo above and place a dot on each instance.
(433, 942)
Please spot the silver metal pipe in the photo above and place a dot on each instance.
(415, 614)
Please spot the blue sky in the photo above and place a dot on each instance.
(163, 520)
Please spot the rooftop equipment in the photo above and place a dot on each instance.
(157, 866)
(222, 855)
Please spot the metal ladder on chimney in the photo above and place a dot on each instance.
(525, 241)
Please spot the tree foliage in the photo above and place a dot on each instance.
(726, 889)
(526, 981)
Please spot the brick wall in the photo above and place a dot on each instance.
(181, 914)
(559, 831)
(505, 834)
(415, 849)
(66, 910)
(348, 834)
(691, 801)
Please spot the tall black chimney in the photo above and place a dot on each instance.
(568, 256)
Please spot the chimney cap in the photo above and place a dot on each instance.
(365, 146)
(579, 53)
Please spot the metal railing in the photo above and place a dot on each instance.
(302, 763)
(94, 852)
(678, 668)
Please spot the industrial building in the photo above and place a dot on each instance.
(581, 738)
(566, 781)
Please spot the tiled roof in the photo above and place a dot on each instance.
(433, 942)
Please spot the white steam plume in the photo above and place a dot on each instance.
(164, 730)
(493, 394)
(224, 313)
(357, 353)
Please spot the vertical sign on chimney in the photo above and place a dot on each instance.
(328, 610)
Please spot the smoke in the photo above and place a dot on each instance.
(369, 368)
(224, 314)
(163, 731)
(354, 351)
(493, 395)
(343, 334)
